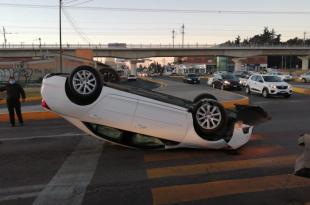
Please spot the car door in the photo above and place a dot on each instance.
(252, 83)
(260, 84)
(160, 120)
(115, 111)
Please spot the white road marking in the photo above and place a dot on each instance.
(69, 184)
(21, 192)
(41, 137)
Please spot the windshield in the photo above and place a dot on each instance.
(271, 79)
(229, 77)
(192, 75)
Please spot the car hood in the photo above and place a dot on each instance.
(277, 83)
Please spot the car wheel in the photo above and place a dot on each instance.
(247, 90)
(204, 97)
(265, 93)
(84, 85)
(209, 116)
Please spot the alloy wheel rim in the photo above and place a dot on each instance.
(84, 82)
(208, 116)
(265, 93)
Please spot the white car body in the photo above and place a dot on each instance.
(305, 77)
(128, 110)
(257, 84)
(282, 76)
(132, 77)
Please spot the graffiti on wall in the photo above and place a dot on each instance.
(23, 75)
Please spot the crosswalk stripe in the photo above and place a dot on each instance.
(191, 192)
(257, 151)
(205, 168)
(69, 184)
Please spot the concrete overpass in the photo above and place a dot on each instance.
(146, 51)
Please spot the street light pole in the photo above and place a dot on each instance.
(173, 37)
(60, 37)
(183, 33)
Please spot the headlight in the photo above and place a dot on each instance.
(273, 86)
(226, 82)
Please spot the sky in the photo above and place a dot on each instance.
(102, 25)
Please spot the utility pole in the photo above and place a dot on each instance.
(4, 36)
(173, 37)
(60, 37)
(183, 33)
(305, 38)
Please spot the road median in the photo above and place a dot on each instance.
(300, 90)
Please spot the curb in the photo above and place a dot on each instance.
(299, 90)
(230, 104)
(30, 99)
(32, 116)
(202, 77)
(162, 84)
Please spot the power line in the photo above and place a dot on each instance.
(84, 2)
(74, 26)
(147, 10)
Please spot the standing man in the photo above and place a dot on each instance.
(14, 91)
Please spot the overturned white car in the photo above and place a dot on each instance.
(140, 118)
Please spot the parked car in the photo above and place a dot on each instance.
(191, 78)
(305, 77)
(226, 82)
(132, 78)
(282, 76)
(268, 85)
(140, 118)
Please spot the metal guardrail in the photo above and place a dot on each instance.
(150, 46)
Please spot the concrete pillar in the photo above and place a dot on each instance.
(133, 67)
(305, 62)
(238, 63)
(302, 165)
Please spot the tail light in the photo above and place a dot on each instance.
(44, 104)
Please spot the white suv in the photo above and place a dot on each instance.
(268, 85)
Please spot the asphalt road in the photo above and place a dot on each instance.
(51, 162)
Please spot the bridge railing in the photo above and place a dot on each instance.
(150, 46)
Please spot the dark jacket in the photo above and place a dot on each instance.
(13, 91)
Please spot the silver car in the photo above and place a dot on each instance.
(305, 77)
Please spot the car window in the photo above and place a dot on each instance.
(253, 78)
(259, 78)
(272, 79)
(125, 137)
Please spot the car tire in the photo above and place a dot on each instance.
(209, 116)
(247, 90)
(84, 85)
(204, 97)
(265, 93)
